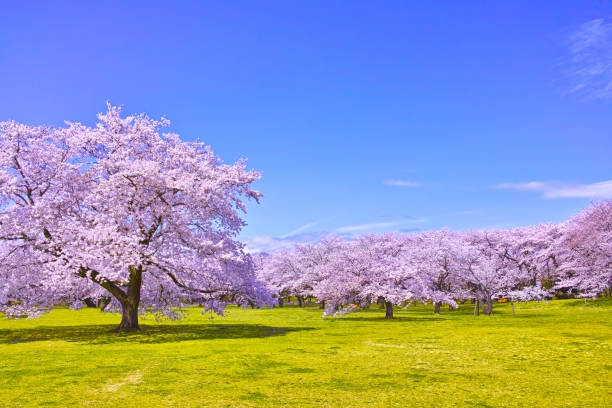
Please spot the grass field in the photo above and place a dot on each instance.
(550, 355)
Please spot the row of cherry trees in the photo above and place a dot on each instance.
(446, 267)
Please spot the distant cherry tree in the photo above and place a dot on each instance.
(283, 274)
(584, 252)
(435, 256)
(372, 269)
(124, 211)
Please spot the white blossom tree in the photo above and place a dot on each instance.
(120, 210)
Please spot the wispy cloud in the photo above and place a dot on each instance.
(266, 243)
(591, 59)
(602, 189)
(301, 229)
(378, 225)
(401, 183)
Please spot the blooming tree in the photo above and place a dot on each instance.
(282, 272)
(584, 252)
(372, 269)
(298, 271)
(436, 257)
(120, 210)
(485, 269)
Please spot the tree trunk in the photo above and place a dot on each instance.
(512, 304)
(489, 310)
(130, 303)
(90, 302)
(300, 301)
(381, 302)
(322, 305)
(280, 302)
(103, 302)
(477, 307)
(437, 308)
(129, 318)
(388, 310)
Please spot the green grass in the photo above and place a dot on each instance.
(555, 354)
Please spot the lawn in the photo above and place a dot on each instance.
(550, 354)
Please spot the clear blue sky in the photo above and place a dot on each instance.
(362, 116)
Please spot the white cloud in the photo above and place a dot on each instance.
(300, 229)
(602, 189)
(266, 243)
(378, 225)
(401, 183)
(591, 59)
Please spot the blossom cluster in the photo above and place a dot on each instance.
(573, 258)
(124, 213)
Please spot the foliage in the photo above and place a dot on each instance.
(520, 264)
(124, 211)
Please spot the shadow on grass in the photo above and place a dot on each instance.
(381, 318)
(599, 302)
(150, 334)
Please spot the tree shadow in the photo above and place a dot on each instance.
(599, 302)
(381, 318)
(150, 334)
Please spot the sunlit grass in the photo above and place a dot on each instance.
(554, 354)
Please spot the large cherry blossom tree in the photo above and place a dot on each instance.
(124, 211)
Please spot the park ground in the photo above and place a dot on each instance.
(555, 354)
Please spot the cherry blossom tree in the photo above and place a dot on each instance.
(435, 255)
(485, 269)
(584, 252)
(532, 267)
(283, 273)
(369, 270)
(120, 210)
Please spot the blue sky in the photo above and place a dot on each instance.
(362, 116)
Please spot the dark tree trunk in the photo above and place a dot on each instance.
(300, 301)
(388, 310)
(131, 301)
(322, 305)
(489, 311)
(103, 302)
(437, 308)
(129, 318)
(477, 307)
(90, 302)
(280, 302)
